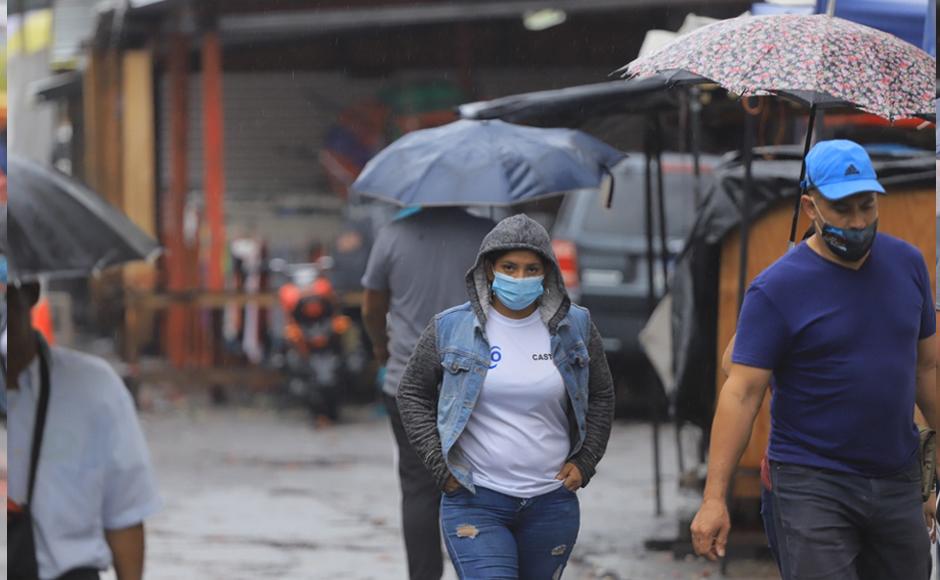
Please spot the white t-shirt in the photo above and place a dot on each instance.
(94, 468)
(516, 439)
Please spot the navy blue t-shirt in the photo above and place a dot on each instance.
(842, 345)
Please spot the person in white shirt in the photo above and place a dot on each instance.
(94, 485)
(509, 400)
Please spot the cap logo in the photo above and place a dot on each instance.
(851, 170)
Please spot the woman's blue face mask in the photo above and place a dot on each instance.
(517, 293)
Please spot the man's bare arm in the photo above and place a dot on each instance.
(127, 550)
(738, 405)
(375, 304)
(927, 380)
(726, 357)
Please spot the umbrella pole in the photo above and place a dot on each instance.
(651, 305)
(746, 204)
(695, 122)
(661, 201)
(664, 258)
(806, 146)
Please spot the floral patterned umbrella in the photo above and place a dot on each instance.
(816, 59)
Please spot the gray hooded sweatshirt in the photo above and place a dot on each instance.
(420, 384)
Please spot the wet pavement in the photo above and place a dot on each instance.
(3, 493)
(255, 494)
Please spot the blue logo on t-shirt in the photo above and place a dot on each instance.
(496, 355)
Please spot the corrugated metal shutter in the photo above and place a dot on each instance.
(275, 124)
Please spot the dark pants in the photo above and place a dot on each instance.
(494, 536)
(836, 526)
(81, 574)
(420, 506)
(767, 515)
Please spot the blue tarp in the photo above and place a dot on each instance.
(930, 30)
(762, 8)
(903, 18)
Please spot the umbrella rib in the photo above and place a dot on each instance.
(820, 65)
(763, 53)
(430, 166)
(103, 262)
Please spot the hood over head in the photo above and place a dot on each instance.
(520, 232)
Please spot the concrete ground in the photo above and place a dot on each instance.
(254, 494)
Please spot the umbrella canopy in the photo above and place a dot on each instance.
(58, 228)
(485, 163)
(819, 60)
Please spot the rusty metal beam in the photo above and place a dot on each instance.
(213, 154)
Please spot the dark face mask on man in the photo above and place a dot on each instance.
(849, 244)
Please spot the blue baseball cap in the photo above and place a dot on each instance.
(840, 168)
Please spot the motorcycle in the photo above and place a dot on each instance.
(311, 354)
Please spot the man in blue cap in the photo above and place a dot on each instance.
(843, 328)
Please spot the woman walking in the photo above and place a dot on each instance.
(509, 400)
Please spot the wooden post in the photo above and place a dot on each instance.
(103, 155)
(176, 336)
(90, 96)
(138, 177)
(110, 116)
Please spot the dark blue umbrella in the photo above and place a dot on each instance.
(485, 163)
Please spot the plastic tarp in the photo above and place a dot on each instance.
(694, 286)
(930, 29)
(765, 8)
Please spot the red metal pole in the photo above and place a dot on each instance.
(213, 181)
(213, 153)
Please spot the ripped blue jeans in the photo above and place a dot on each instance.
(492, 536)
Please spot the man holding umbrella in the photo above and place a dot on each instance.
(80, 479)
(844, 327)
(415, 270)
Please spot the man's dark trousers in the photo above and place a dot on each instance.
(420, 505)
(838, 526)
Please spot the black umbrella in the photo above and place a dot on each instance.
(56, 227)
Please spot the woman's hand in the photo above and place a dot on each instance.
(930, 515)
(451, 485)
(570, 476)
